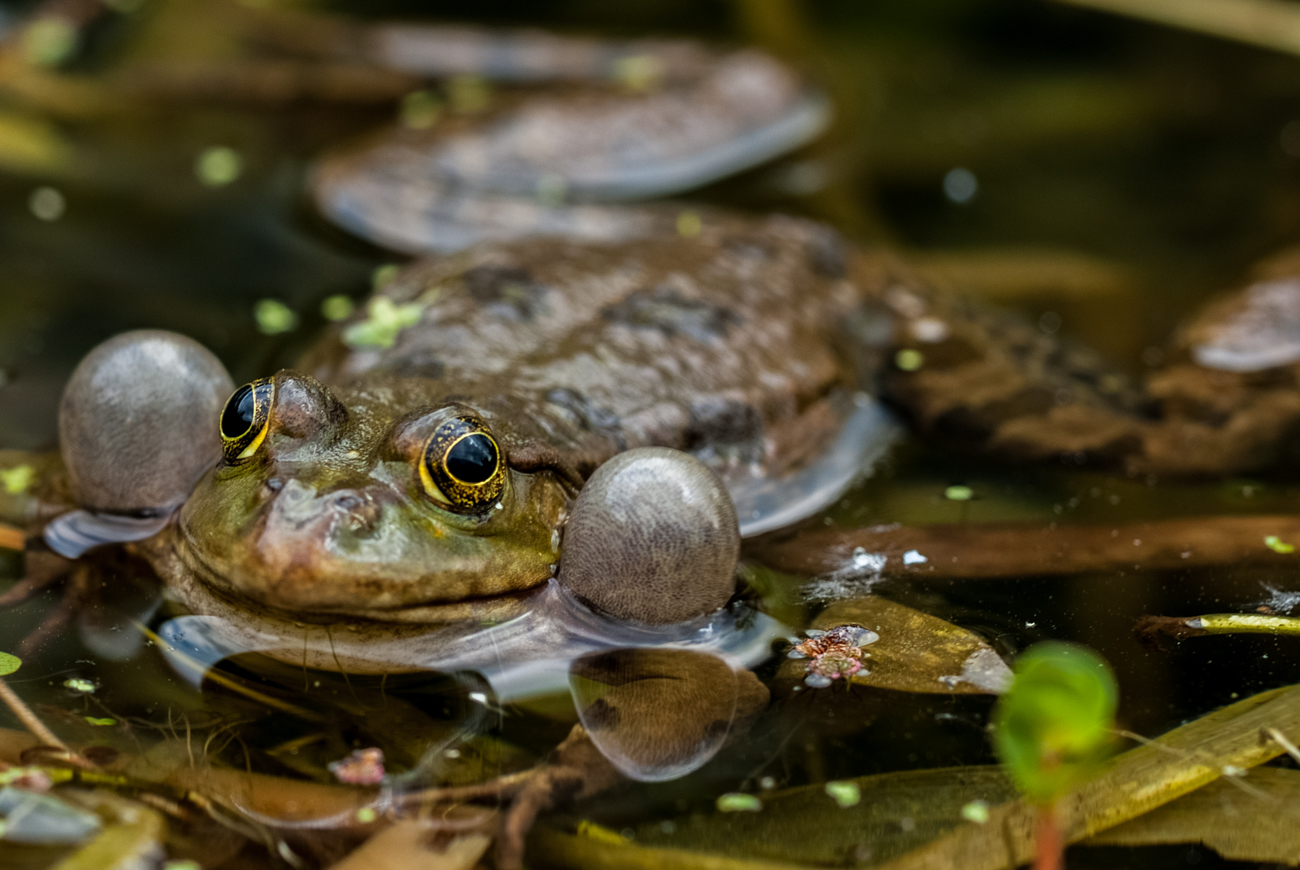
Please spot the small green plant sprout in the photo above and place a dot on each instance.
(1055, 725)
(1053, 729)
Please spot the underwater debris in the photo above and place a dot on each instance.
(362, 767)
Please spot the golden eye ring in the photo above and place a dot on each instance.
(462, 467)
(245, 420)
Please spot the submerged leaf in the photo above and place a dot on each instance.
(916, 652)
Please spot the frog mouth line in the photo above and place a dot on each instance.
(200, 588)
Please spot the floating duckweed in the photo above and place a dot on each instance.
(420, 109)
(336, 308)
(738, 802)
(50, 41)
(689, 224)
(186, 864)
(218, 166)
(959, 493)
(366, 815)
(47, 203)
(80, 684)
(274, 317)
(16, 480)
(1277, 545)
(600, 833)
(976, 811)
(909, 360)
(9, 663)
(383, 276)
(469, 94)
(1054, 726)
(384, 320)
(846, 794)
(105, 721)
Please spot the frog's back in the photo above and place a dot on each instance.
(724, 340)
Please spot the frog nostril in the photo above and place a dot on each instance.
(361, 510)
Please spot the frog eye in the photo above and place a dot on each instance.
(245, 419)
(462, 467)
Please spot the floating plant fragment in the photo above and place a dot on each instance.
(1149, 628)
(1277, 545)
(738, 802)
(9, 663)
(384, 320)
(915, 652)
(846, 793)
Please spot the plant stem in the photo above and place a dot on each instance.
(29, 719)
(1048, 844)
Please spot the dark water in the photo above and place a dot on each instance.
(1158, 153)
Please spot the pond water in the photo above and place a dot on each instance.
(1101, 176)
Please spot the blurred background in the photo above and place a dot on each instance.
(1102, 174)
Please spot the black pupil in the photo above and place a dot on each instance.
(473, 459)
(240, 411)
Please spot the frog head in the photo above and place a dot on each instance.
(383, 502)
(369, 502)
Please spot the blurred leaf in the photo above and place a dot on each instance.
(32, 146)
(1053, 728)
(405, 846)
(916, 652)
(1256, 819)
(131, 839)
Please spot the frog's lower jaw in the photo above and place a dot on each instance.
(523, 654)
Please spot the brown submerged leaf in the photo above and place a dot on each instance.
(916, 652)
(406, 846)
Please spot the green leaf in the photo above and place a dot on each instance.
(9, 663)
(93, 720)
(1054, 727)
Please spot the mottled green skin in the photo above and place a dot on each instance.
(729, 344)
